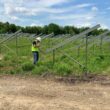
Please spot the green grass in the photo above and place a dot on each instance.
(27, 66)
(22, 61)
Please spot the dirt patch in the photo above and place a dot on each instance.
(1, 57)
(101, 79)
(30, 93)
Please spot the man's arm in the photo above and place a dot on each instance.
(37, 44)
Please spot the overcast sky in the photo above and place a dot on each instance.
(63, 12)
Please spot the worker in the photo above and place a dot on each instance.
(35, 49)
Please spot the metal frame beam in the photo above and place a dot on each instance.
(73, 38)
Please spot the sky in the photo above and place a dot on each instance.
(80, 13)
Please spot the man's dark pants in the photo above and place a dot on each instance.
(36, 57)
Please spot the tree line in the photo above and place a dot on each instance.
(47, 29)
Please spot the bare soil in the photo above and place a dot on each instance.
(31, 93)
(1, 57)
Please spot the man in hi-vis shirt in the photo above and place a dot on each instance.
(35, 49)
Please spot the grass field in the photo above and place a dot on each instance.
(19, 60)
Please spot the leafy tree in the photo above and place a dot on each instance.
(47, 29)
(53, 28)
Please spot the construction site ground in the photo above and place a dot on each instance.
(34, 93)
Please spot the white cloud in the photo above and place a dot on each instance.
(80, 19)
(38, 6)
(84, 24)
(94, 8)
(24, 7)
(80, 23)
(8, 9)
(48, 3)
(85, 19)
(36, 24)
(15, 18)
(104, 26)
(25, 11)
(35, 3)
(61, 10)
(83, 5)
(11, 10)
(76, 7)
(86, 16)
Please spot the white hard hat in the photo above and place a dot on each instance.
(38, 39)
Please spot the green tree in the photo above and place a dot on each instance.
(53, 28)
